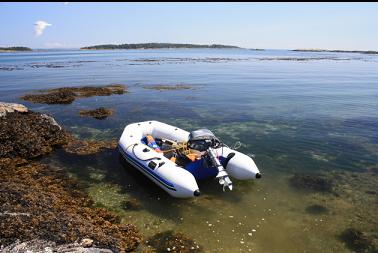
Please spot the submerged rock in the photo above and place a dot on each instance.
(358, 241)
(61, 97)
(41, 202)
(67, 95)
(173, 242)
(373, 170)
(83, 147)
(131, 204)
(317, 209)
(311, 182)
(99, 113)
(29, 134)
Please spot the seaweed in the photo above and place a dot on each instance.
(312, 182)
(358, 241)
(67, 95)
(99, 113)
(131, 204)
(41, 202)
(173, 242)
(29, 135)
(88, 147)
(317, 209)
(61, 97)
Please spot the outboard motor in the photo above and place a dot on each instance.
(204, 140)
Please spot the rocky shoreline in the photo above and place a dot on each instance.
(43, 209)
(41, 202)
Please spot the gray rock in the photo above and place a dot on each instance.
(42, 246)
(11, 107)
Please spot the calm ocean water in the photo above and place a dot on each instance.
(315, 115)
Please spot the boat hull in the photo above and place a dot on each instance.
(177, 181)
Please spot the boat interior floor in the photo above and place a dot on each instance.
(175, 151)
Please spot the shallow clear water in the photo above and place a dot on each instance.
(318, 115)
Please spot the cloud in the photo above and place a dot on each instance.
(66, 3)
(39, 27)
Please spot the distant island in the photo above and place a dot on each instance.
(14, 49)
(153, 46)
(336, 51)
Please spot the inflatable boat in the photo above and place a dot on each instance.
(175, 159)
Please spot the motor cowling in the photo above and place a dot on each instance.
(202, 140)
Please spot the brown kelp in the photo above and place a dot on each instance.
(41, 202)
(358, 241)
(173, 242)
(29, 134)
(317, 209)
(99, 113)
(88, 147)
(311, 182)
(67, 95)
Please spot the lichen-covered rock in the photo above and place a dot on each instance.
(29, 134)
(99, 113)
(169, 241)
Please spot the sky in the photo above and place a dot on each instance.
(346, 26)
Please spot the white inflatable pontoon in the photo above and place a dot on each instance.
(167, 165)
